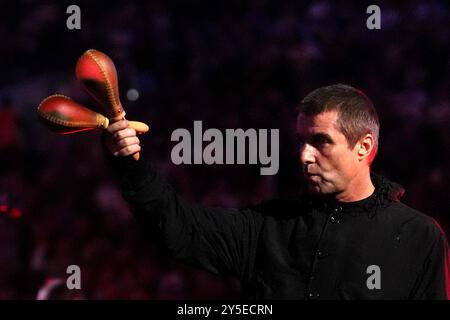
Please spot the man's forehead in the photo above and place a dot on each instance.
(325, 121)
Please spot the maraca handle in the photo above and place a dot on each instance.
(140, 127)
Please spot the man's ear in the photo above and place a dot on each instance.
(365, 147)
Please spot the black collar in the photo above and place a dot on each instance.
(385, 193)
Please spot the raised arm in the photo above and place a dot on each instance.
(220, 240)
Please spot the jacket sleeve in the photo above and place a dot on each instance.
(434, 280)
(222, 241)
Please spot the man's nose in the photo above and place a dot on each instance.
(307, 154)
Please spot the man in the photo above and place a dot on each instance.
(347, 236)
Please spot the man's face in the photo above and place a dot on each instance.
(327, 161)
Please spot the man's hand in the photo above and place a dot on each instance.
(121, 140)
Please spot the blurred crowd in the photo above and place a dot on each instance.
(231, 64)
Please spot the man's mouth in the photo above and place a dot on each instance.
(312, 176)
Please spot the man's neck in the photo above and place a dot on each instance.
(361, 187)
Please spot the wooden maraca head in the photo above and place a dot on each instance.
(64, 116)
(99, 76)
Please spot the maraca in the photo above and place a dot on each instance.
(98, 74)
(64, 116)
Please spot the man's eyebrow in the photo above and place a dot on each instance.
(316, 135)
(322, 135)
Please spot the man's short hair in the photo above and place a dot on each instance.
(356, 114)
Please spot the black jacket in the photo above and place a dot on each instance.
(308, 248)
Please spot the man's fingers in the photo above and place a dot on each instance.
(125, 133)
(128, 150)
(122, 140)
(117, 126)
(127, 142)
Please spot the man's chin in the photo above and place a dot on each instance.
(314, 188)
(318, 189)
